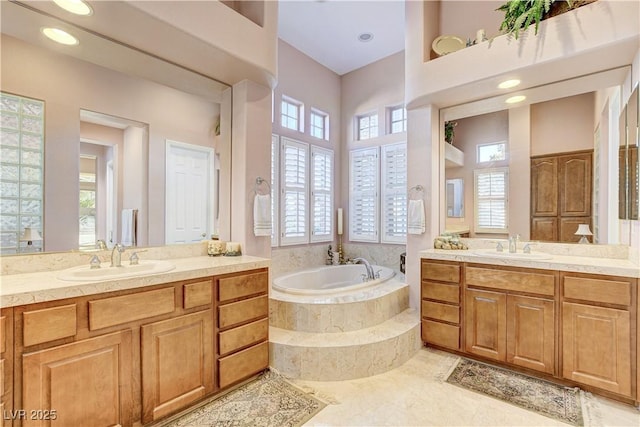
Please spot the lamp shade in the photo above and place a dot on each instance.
(583, 230)
(30, 235)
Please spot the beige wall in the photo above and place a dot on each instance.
(463, 18)
(566, 122)
(68, 85)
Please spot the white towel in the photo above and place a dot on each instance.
(129, 219)
(262, 215)
(416, 223)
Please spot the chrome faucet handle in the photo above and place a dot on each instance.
(95, 262)
(527, 248)
(364, 277)
(499, 247)
(134, 259)
(377, 275)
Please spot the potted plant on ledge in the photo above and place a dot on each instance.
(519, 14)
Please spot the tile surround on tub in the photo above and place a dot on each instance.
(288, 259)
(307, 315)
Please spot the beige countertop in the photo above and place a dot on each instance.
(28, 288)
(577, 264)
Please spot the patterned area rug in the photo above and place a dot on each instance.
(265, 402)
(537, 395)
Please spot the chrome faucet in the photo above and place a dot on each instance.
(101, 244)
(116, 253)
(370, 274)
(513, 243)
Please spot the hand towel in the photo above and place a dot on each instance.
(129, 225)
(262, 215)
(416, 223)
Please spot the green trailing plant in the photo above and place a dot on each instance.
(449, 131)
(519, 14)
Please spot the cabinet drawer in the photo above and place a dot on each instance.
(535, 282)
(233, 339)
(128, 308)
(242, 311)
(437, 311)
(235, 287)
(48, 324)
(441, 292)
(597, 290)
(243, 364)
(199, 293)
(441, 334)
(440, 272)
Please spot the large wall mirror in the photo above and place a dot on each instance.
(541, 167)
(628, 158)
(104, 143)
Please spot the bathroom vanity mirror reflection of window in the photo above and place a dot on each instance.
(455, 198)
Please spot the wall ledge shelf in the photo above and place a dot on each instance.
(593, 38)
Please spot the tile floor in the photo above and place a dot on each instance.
(415, 394)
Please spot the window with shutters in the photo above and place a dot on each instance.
(367, 125)
(363, 195)
(394, 193)
(491, 200)
(321, 194)
(275, 189)
(294, 192)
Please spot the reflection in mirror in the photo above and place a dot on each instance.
(628, 159)
(455, 198)
(118, 121)
(555, 126)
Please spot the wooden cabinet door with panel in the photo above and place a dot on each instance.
(177, 363)
(84, 383)
(596, 346)
(485, 323)
(544, 187)
(531, 333)
(575, 183)
(6, 366)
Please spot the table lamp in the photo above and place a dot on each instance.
(30, 236)
(583, 230)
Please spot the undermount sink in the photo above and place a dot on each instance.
(508, 255)
(86, 273)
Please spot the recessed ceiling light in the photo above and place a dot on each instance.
(78, 7)
(515, 99)
(60, 36)
(365, 37)
(508, 84)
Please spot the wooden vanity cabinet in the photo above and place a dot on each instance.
(598, 347)
(510, 315)
(440, 303)
(242, 327)
(6, 366)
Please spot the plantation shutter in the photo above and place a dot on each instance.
(491, 198)
(275, 193)
(394, 193)
(295, 189)
(321, 195)
(363, 195)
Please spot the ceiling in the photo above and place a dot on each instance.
(328, 30)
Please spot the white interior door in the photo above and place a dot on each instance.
(189, 200)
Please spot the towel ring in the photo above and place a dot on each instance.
(259, 182)
(417, 188)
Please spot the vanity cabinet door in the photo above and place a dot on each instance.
(84, 383)
(596, 346)
(531, 333)
(485, 323)
(6, 366)
(177, 363)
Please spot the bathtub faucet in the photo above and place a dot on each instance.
(370, 274)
